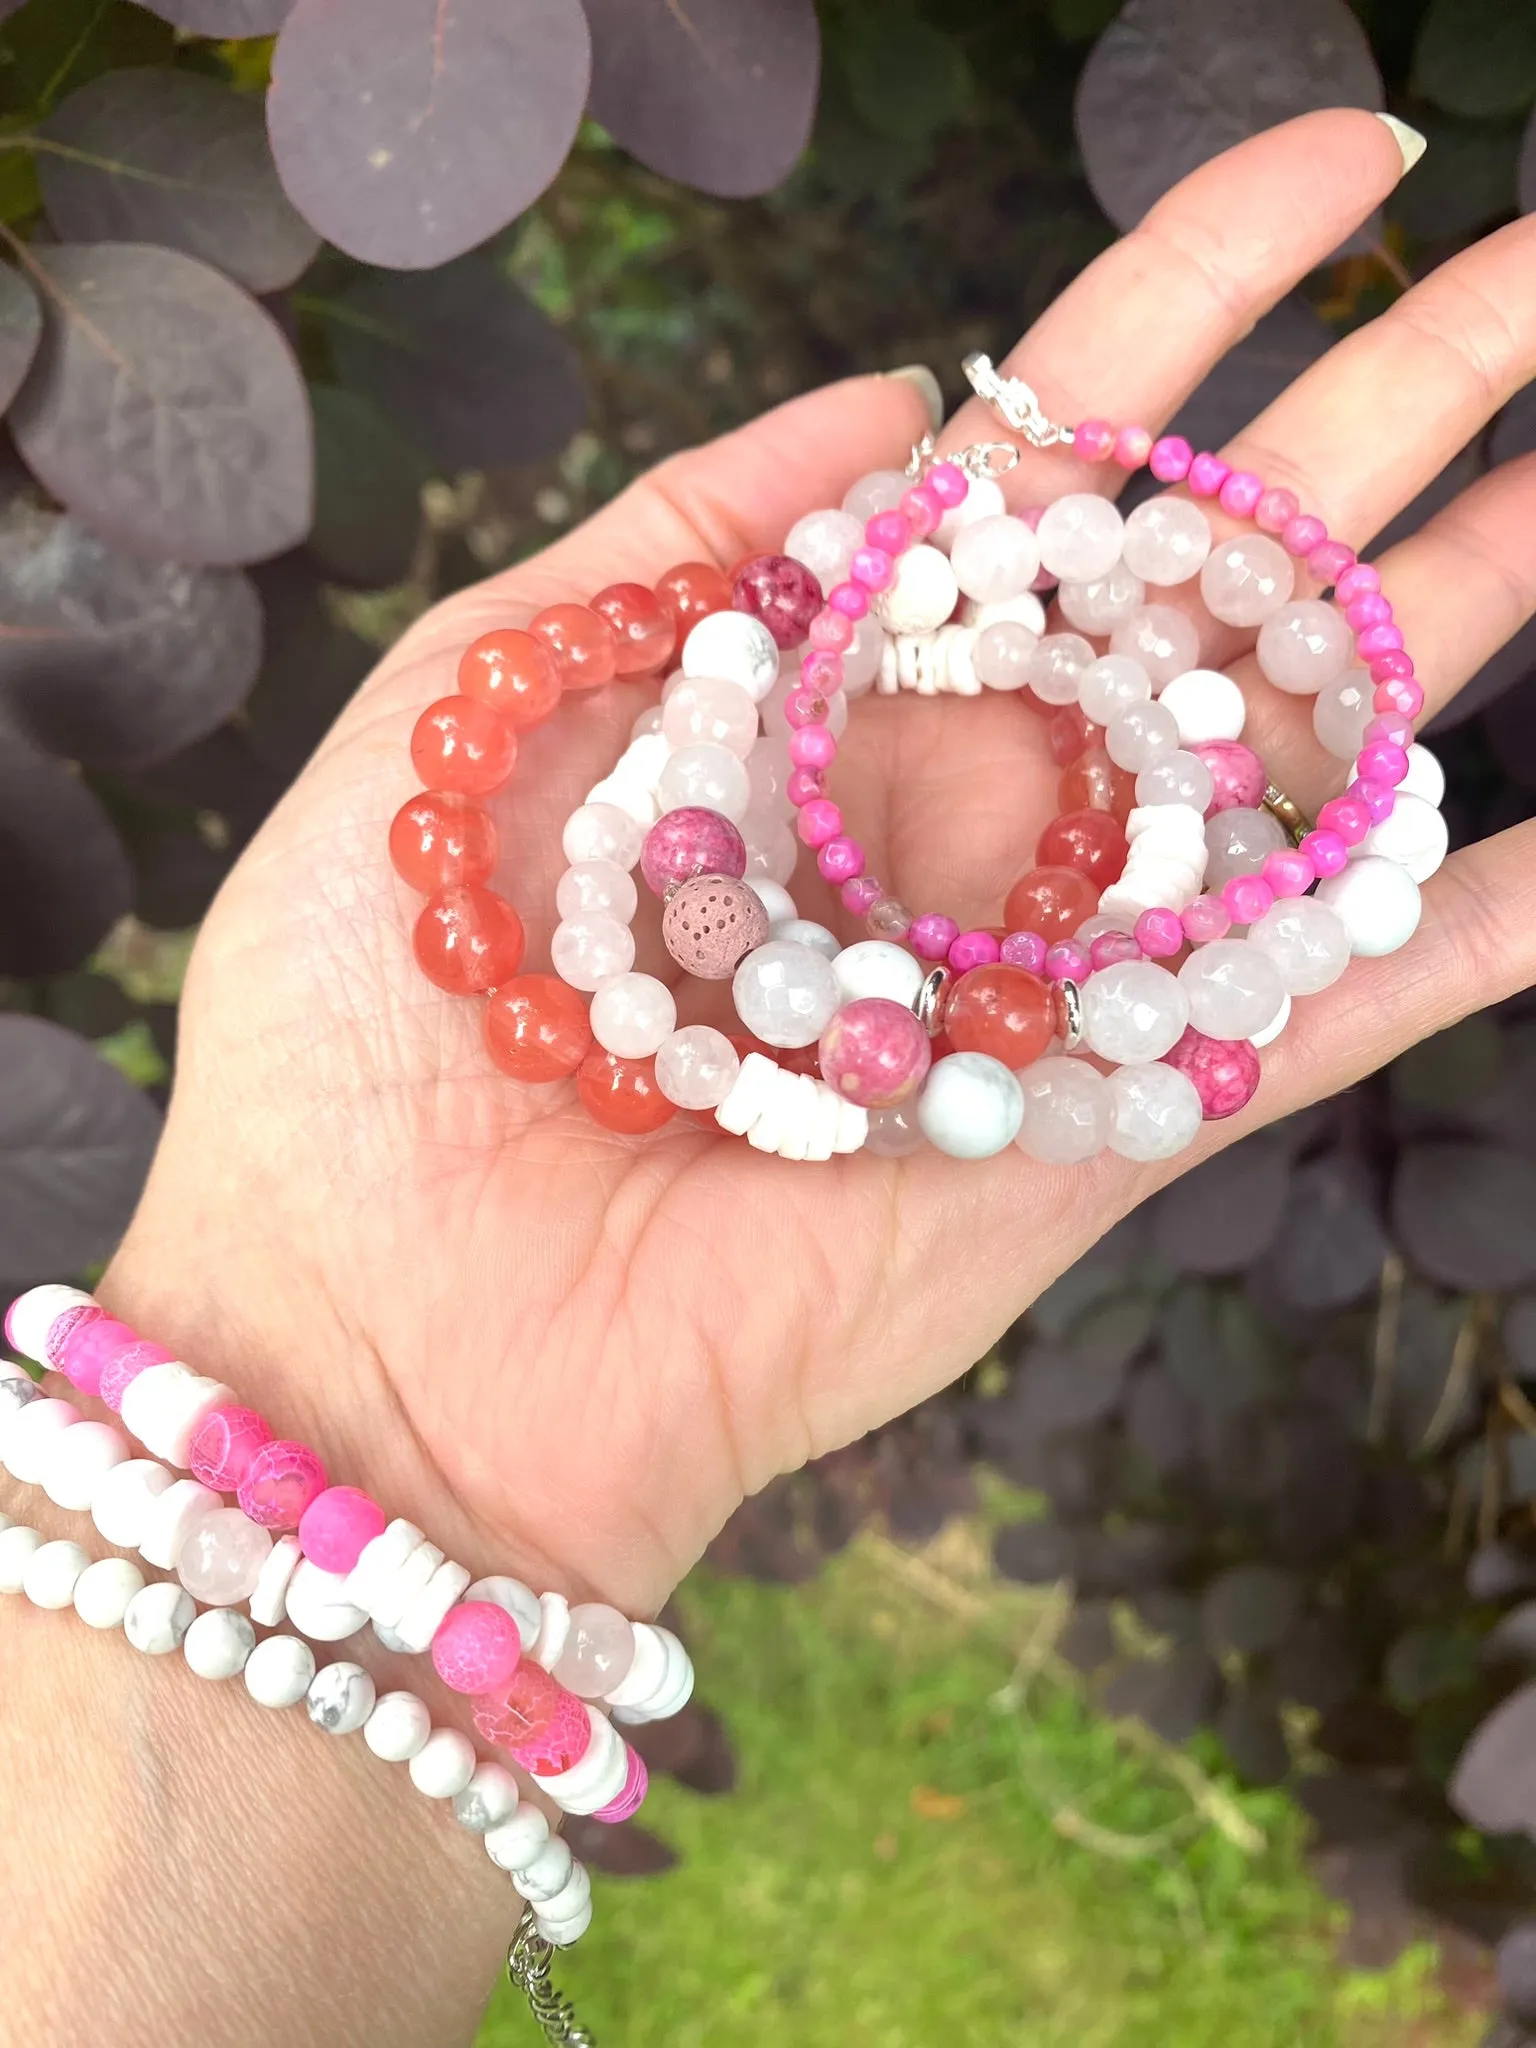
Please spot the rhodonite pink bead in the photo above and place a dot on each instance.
(537, 1722)
(632, 1798)
(932, 935)
(225, 1443)
(280, 1482)
(84, 1350)
(337, 1526)
(124, 1367)
(1225, 1071)
(688, 842)
(874, 1052)
(477, 1648)
(781, 592)
(1237, 775)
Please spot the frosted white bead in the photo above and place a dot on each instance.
(398, 1727)
(104, 1589)
(773, 855)
(1057, 667)
(1001, 656)
(554, 1627)
(696, 1067)
(1238, 842)
(1425, 777)
(219, 1644)
(1067, 1110)
(733, 648)
(804, 931)
(921, 595)
(172, 1518)
(1415, 836)
(340, 1698)
(17, 1543)
(547, 1873)
(785, 994)
(514, 1598)
(775, 899)
(1133, 1011)
(78, 1459)
(279, 1671)
(602, 832)
(1378, 901)
(1342, 712)
(649, 721)
(707, 776)
(874, 967)
(1023, 610)
(824, 541)
(1273, 1029)
(514, 1843)
(563, 1933)
(121, 1504)
(1166, 540)
(1234, 989)
(1112, 683)
(1141, 734)
(621, 793)
(1177, 778)
(568, 1905)
(631, 1014)
(269, 1603)
(646, 1675)
(29, 1435)
(599, 886)
(1096, 608)
(970, 1106)
(1155, 1111)
(33, 1314)
(221, 1557)
(488, 1799)
(880, 490)
(705, 710)
(1246, 580)
(863, 656)
(1307, 942)
(995, 558)
(1207, 705)
(317, 1606)
(1080, 537)
(1304, 646)
(646, 755)
(166, 1405)
(984, 500)
(156, 1620)
(51, 1574)
(589, 950)
(671, 1692)
(444, 1764)
(1166, 642)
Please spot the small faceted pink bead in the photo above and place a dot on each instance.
(85, 1350)
(932, 935)
(1093, 440)
(974, 949)
(280, 1482)
(687, 842)
(805, 707)
(840, 860)
(862, 894)
(1247, 897)
(336, 1528)
(1132, 447)
(1379, 798)
(851, 599)
(1275, 511)
(812, 746)
(1329, 559)
(1328, 853)
(1361, 580)
(1370, 608)
(1238, 778)
(1376, 641)
(1344, 815)
(124, 1367)
(1207, 474)
(948, 484)
(1110, 948)
(1380, 761)
(1160, 933)
(1205, 920)
(1225, 1071)
(1067, 961)
(1289, 872)
(873, 568)
(831, 630)
(819, 821)
(922, 511)
(874, 1053)
(225, 1443)
(1026, 950)
(1392, 727)
(891, 531)
(822, 672)
(1396, 661)
(1170, 459)
(477, 1647)
(1301, 535)
(1403, 694)
(632, 1798)
(1241, 493)
(803, 785)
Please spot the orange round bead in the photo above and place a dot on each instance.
(462, 745)
(645, 630)
(1094, 783)
(692, 591)
(585, 647)
(1050, 901)
(1002, 1011)
(439, 838)
(1071, 729)
(513, 673)
(621, 1094)
(1089, 841)
(467, 940)
(536, 1028)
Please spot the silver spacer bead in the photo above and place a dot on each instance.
(929, 1002)
(1072, 1004)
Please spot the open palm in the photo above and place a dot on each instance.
(574, 1352)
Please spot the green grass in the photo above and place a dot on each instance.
(893, 1868)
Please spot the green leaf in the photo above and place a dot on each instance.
(906, 78)
(1477, 57)
(135, 1054)
(1076, 21)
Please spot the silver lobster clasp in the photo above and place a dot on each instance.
(1014, 403)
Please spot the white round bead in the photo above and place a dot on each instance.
(785, 994)
(513, 1843)
(824, 542)
(1166, 540)
(970, 1106)
(29, 1434)
(1378, 901)
(921, 595)
(428, 1609)
(602, 832)
(631, 1014)
(1057, 667)
(122, 1503)
(1140, 735)
(1246, 580)
(1425, 777)
(554, 1627)
(1207, 705)
(863, 658)
(1177, 778)
(568, 1905)
(104, 1589)
(984, 500)
(547, 1873)
(221, 1558)
(1415, 836)
(696, 1067)
(279, 1671)
(1096, 608)
(269, 1602)
(444, 1764)
(219, 1643)
(398, 1727)
(1234, 989)
(597, 886)
(626, 794)
(874, 967)
(1342, 711)
(733, 648)
(1238, 842)
(704, 710)
(775, 899)
(165, 1405)
(1272, 1030)
(1307, 942)
(156, 1620)
(566, 1932)
(1000, 655)
(1080, 537)
(1112, 684)
(1304, 646)
(488, 1799)
(52, 1573)
(17, 1543)
(183, 1504)
(995, 558)
(880, 490)
(33, 1314)
(1164, 640)
(586, 951)
(1067, 1111)
(516, 1599)
(317, 1605)
(340, 1698)
(1133, 1012)
(78, 1459)
(1155, 1112)
(706, 777)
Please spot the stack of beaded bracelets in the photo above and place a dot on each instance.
(1171, 835)
(325, 1559)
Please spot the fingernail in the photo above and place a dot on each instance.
(1411, 144)
(924, 382)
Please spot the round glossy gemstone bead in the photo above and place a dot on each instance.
(221, 1557)
(692, 591)
(462, 745)
(104, 1589)
(785, 994)
(970, 1106)
(1307, 942)
(1246, 580)
(535, 1721)
(1156, 1111)
(644, 630)
(825, 541)
(687, 842)
(1092, 782)
(83, 1343)
(279, 1671)
(599, 1650)
(1234, 989)
(1166, 540)
(398, 1727)
(1068, 1111)
(536, 1028)
(596, 885)
(1089, 841)
(1165, 641)
(1140, 735)
(338, 1525)
(602, 832)
(621, 1094)
(1001, 1011)
(705, 777)
(875, 1053)
(1051, 901)
(711, 924)
(741, 650)
(632, 1013)
(1056, 668)
(1096, 608)
(1415, 835)
(1237, 775)
(704, 711)
(780, 591)
(1080, 537)
(697, 1067)
(585, 647)
(280, 1482)
(514, 674)
(1304, 646)
(1207, 706)
(157, 1618)
(466, 940)
(440, 838)
(224, 1445)
(1133, 1012)
(1178, 778)
(1225, 1072)
(1341, 713)
(1238, 842)
(477, 1648)
(1378, 902)
(995, 559)
(585, 951)
(1110, 684)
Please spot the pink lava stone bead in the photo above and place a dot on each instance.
(536, 1721)
(337, 1527)
(688, 842)
(225, 1443)
(1170, 459)
(1237, 775)
(973, 949)
(1225, 1071)
(1160, 933)
(1093, 440)
(632, 1798)
(932, 935)
(477, 1648)
(124, 1367)
(280, 1482)
(781, 592)
(85, 1350)
(874, 1052)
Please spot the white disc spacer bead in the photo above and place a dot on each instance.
(749, 1097)
(1425, 777)
(554, 1627)
(489, 1798)
(731, 647)
(428, 1611)
(219, 1643)
(52, 1572)
(647, 1669)
(1378, 902)
(921, 595)
(546, 1875)
(122, 1503)
(398, 1727)
(166, 1405)
(171, 1519)
(513, 1843)
(104, 1589)
(156, 1621)
(1416, 836)
(852, 1127)
(269, 1603)
(33, 1314)
(78, 1459)
(17, 1544)
(316, 1603)
(444, 1764)
(514, 1598)
(1206, 705)
(340, 1698)
(382, 1557)
(398, 1591)
(672, 1690)
(279, 1671)
(29, 1433)
(599, 1777)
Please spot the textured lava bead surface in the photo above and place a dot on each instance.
(711, 924)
